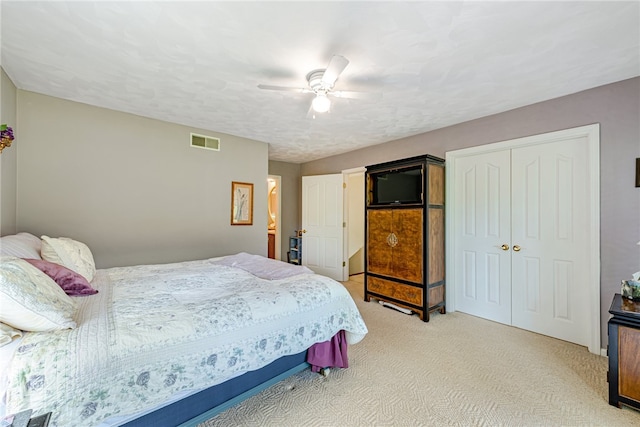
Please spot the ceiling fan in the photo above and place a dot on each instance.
(321, 84)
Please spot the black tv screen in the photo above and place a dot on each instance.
(397, 186)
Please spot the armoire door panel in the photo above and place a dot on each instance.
(436, 184)
(380, 254)
(394, 243)
(436, 245)
(408, 252)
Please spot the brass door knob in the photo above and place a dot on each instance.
(504, 247)
(516, 248)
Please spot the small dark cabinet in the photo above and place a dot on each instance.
(623, 352)
(295, 250)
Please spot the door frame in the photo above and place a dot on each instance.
(592, 135)
(349, 193)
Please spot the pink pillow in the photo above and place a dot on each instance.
(72, 283)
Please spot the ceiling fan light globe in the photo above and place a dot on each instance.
(321, 104)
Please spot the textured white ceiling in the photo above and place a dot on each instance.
(434, 63)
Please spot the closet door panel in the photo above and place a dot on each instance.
(550, 216)
(483, 224)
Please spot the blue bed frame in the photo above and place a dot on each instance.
(201, 406)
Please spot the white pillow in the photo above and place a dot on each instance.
(31, 300)
(69, 253)
(7, 334)
(21, 245)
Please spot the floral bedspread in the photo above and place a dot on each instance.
(155, 331)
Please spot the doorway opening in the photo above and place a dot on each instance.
(274, 250)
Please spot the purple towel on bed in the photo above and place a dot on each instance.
(329, 354)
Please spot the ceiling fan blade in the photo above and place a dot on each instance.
(336, 66)
(285, 88)
(356, 95)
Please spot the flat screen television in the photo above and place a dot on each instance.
(396, 186)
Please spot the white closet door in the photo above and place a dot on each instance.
(549, 213)
(483, 225)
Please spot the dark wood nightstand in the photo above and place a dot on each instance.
(623, 351)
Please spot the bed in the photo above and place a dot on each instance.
(159, 344)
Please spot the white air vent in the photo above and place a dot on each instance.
(206, 142)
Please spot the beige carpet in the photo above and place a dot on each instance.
(456, 370)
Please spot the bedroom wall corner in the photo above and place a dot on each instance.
(132, 188)
(9, 157)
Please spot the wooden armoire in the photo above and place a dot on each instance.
(404, 234)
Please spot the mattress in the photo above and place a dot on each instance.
(155, 332)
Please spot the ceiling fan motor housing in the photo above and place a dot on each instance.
(315, 81)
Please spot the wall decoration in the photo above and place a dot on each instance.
(241, 203)
(6, 137)
(638, 172)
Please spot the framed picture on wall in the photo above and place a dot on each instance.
(241, 203)
(638, 172)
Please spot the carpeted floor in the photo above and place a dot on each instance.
(456, 370)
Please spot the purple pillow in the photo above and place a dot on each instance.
(72, 283)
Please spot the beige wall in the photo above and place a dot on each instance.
(8, 158)
(132, 188)
(615, 106)
(290, 191)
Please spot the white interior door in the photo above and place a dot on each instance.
(483, 226)
(322, 224)
(550, 227)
